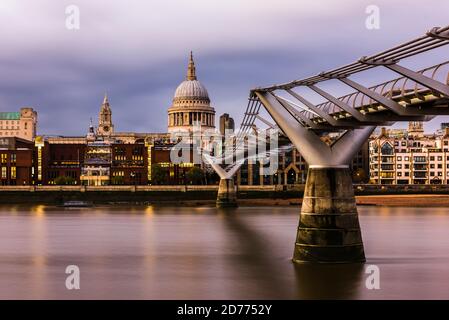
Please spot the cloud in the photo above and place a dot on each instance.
(137, 51)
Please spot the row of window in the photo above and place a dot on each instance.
(120, 151)
(416, 143)
(4, 158)
(9, 134)
(407, 158)
(124, 158)
(407, 166)
(9, 122)
(13, 172)
(56, 174)
(407, 174)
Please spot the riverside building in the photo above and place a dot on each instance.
(106, 156)
(410, 158)
(21, 124)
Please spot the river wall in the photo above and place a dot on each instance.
(173, 194)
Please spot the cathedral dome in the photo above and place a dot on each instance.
(191, 88)
(191, 104)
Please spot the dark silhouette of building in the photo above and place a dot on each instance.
(226, 123)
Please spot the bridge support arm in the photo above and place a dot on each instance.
(353, 112)
(389, 104)
(328, 230)
(306, 141)
(420, 78)
(312, 107)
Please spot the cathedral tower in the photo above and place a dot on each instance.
(105, 126)
(416, 129)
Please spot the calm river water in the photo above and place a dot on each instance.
(205, 253)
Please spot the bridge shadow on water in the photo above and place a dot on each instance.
(341, 281)
(270, 274)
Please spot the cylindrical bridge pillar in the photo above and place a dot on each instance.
(329, 230)
(227, 196)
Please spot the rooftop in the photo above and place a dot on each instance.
(9, 115)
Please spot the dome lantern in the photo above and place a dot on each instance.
(191, 73)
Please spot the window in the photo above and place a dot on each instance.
(419, 159)
(407, 158)
(13, 158)
(4, 176)
(387, 149)
(407, 174)
(432, 158)
(399, 166)
(13, 172)
(52, 174)
(399, 174)
(4, 157)
(440, 158)
(399, 158)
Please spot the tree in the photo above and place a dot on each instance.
(195, 175)
(61, 180)
(158, 174)
(70, 180)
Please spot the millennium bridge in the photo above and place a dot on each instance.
(329, 230)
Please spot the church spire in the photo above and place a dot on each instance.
(191, 74)
(105, 100)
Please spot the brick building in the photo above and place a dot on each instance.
(16, 161)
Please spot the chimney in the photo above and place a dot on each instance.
(446, 132)
(383, 132)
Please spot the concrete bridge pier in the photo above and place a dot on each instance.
(227, 195)
(329, 229)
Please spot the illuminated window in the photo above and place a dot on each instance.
(4, 173)
(4, 157)
(13, 172)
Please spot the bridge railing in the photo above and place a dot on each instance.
(394, 89)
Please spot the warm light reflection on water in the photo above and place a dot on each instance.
(206, 253)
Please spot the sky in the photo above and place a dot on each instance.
(137, 51)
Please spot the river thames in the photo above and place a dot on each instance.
(207, 253)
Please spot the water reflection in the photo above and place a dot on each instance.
(322, 281)
(255, 257)
(206, 253)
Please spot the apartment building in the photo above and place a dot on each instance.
(409, 158)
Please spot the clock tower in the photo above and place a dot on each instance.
(105, 126)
